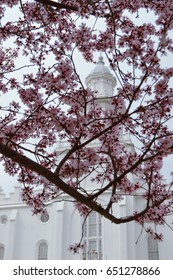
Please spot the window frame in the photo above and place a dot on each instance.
(2, 251)
(153, 248)
(42, 251)
(93, 234)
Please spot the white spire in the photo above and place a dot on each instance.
(100, 60)
(101, 80)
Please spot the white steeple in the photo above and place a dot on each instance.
(101, 80)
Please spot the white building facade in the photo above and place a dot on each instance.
(48, 236)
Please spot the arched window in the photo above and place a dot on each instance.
(153, 250)
(93, 237)
(1, 252)
(42, 251)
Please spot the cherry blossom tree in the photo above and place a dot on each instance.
(45, 101)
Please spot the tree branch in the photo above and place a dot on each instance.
(57, 5)
(53, 178)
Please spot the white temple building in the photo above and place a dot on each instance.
(48, 236)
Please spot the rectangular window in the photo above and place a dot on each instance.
(100, 250)
(92, 225)
(1, 252)
(153, 250)
(92, 232)
(100, 225)
(92, 249)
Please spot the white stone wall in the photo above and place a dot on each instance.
(21, 232)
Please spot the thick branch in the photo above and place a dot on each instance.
(53, 178)
(57, 5)
(60, 6)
